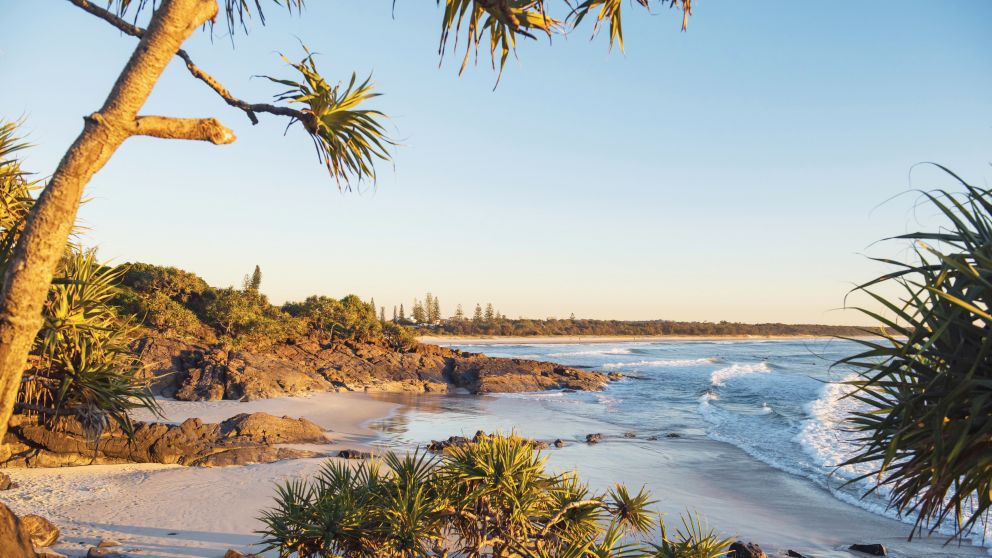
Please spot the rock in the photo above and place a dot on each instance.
(48, 553)
(794, 554)
(355, 454)
(231, 553)
(95, 552)
(629, 434)
(242, 439)
(538, 444)
(593, 438)
(42, 532)
(874, 549)
(673, 435)
(107, 543)
(14, 539)
(199, 371)
(453, 441)
(653, 438)
(5, 482)
(559, 443)
(741, 549)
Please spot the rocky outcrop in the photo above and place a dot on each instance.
(195, 372)
(14, 539)
(238, 440)
(740, 549)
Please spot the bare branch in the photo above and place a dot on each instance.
(202, 129)
(249, 108)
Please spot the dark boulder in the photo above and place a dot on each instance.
(559, 443)
(629, 434)
(355, 454)
(793, 554)
(740, 549)
(594, 438)
(874, 549)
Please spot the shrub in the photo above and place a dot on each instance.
(247, 317)
(928, 386)
(492, 497)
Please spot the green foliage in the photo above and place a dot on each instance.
(80, 364)
(398, 337)
(693, 539)
(928, 386)
(492, 497)
(348, 140)
(349, 317)
(247, 317)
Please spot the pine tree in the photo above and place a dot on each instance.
(252, 282)
(490, 313)
(382, 314)
(435, 311)
(428, 306)
(419, 315)
(459, 313)
(402, 313)
(372, 304)
(477, 315)
(394, 313)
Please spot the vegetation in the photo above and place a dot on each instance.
(80, 363)
(493, 497)
(927, 428)
(180, 303)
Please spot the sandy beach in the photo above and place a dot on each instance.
(166, 511)
(585, 339)
(161, 511)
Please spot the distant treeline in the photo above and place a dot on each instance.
(530, 327)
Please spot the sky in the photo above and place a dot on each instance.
(741, 170)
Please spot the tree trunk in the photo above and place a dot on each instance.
(43, 240)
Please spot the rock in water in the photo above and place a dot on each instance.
(48, 553)
(14, 539)
(629, 434)
(740, 549)
(231, 553)
(593, 438)
(873, 549)
(41, 530)
(95, 552)
(107, 543)
(794, 554)
(5, 482)
(559, 443)
(355, 454)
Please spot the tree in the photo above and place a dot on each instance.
(382, 314)
(459, 313)
(926, 422)
(429, 308)
(490, 313)
(402, 313)
(348, 137)
(419, 314)
(435, 311)
(254, 281)
(477, 315)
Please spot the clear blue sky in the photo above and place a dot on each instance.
(734, 171)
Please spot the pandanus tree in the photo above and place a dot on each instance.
(925, 426)
(348, 136)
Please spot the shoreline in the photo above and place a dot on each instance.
(173, 511)
(445, 340)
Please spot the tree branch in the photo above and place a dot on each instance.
(249, 108)
(202, 129)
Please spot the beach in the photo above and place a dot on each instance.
(448, 340)
(739, 474)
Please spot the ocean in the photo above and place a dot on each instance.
(747, 433)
